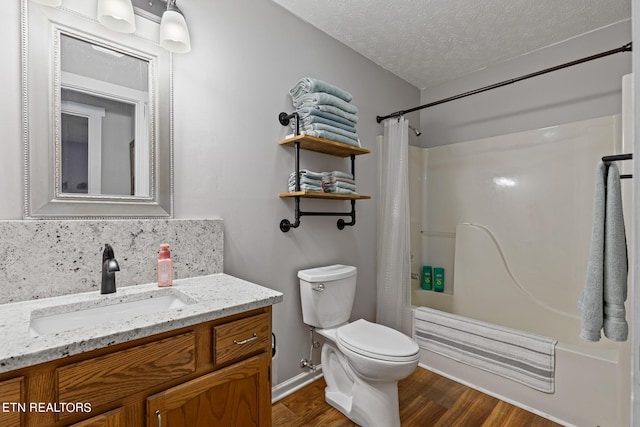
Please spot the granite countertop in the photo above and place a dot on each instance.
(207, 298)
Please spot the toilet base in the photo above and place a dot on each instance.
(338, 400)
(383, 414)
(366, 403)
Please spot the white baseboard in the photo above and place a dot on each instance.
(289, 386)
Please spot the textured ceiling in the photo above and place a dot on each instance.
(427, 42)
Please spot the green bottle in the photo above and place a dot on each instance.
(427, 277)
(438, 279)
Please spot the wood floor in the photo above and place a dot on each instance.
(426, 400)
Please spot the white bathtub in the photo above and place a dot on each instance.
(592, 379)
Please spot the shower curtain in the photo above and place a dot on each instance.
(394, 253)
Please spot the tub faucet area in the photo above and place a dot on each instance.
(109, 268)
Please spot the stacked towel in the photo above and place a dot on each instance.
(309, 85)
(329, 112)
(605, 290)
(339, 183)
(309, 122)
(309, 181)
(330, 182)
(322, 98)
(325, 111)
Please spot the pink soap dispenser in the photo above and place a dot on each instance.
(165, 267)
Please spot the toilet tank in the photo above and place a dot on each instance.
(326, 294)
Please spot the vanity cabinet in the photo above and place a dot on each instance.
(216, 373)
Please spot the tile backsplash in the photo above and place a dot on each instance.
(44, 258)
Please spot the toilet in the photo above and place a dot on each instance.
(362, 361)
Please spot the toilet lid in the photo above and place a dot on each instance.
(377, 341)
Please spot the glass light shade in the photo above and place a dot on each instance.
(117, 15)
(174, 34)
(52, 3)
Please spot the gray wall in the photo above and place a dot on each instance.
(11, 172)
(228, 92)
(581, 92)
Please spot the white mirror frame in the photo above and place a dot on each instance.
(41, 84)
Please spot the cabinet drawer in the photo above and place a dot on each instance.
(107, 378)
(239, 339)
(11, 396)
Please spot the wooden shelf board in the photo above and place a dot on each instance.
(318, 195)
(325, 146)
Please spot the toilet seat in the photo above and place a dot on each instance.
(377, 342)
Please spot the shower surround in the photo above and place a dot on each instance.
(509, 218)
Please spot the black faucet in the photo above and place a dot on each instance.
(109, 268)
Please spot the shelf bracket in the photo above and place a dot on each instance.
(286, 225)
(285, 119)
(341, 223)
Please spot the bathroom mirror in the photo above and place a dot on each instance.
(97, 115)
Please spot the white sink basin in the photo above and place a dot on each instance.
(63, 318)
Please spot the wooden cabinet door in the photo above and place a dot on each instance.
(236, 396)
(113, 418)
(11, 393)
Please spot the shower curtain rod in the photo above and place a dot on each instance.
(626, 48)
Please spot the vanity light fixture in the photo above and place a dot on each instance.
(117, 15)
(174, 33)
(52, 3)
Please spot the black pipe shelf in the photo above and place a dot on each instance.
(325, 146)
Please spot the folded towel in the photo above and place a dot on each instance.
(329, 128)
(304, 180)
(337, 174)
(320, 175)
(339, 190)
(308, 180)
(332, 137)
(307, 187)
(337, 179)
(308, 84)
(311, 120)
(319, 98)
(306, 112)
(602, 301)
(306, 109)
(309, 174)
(332, 188)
